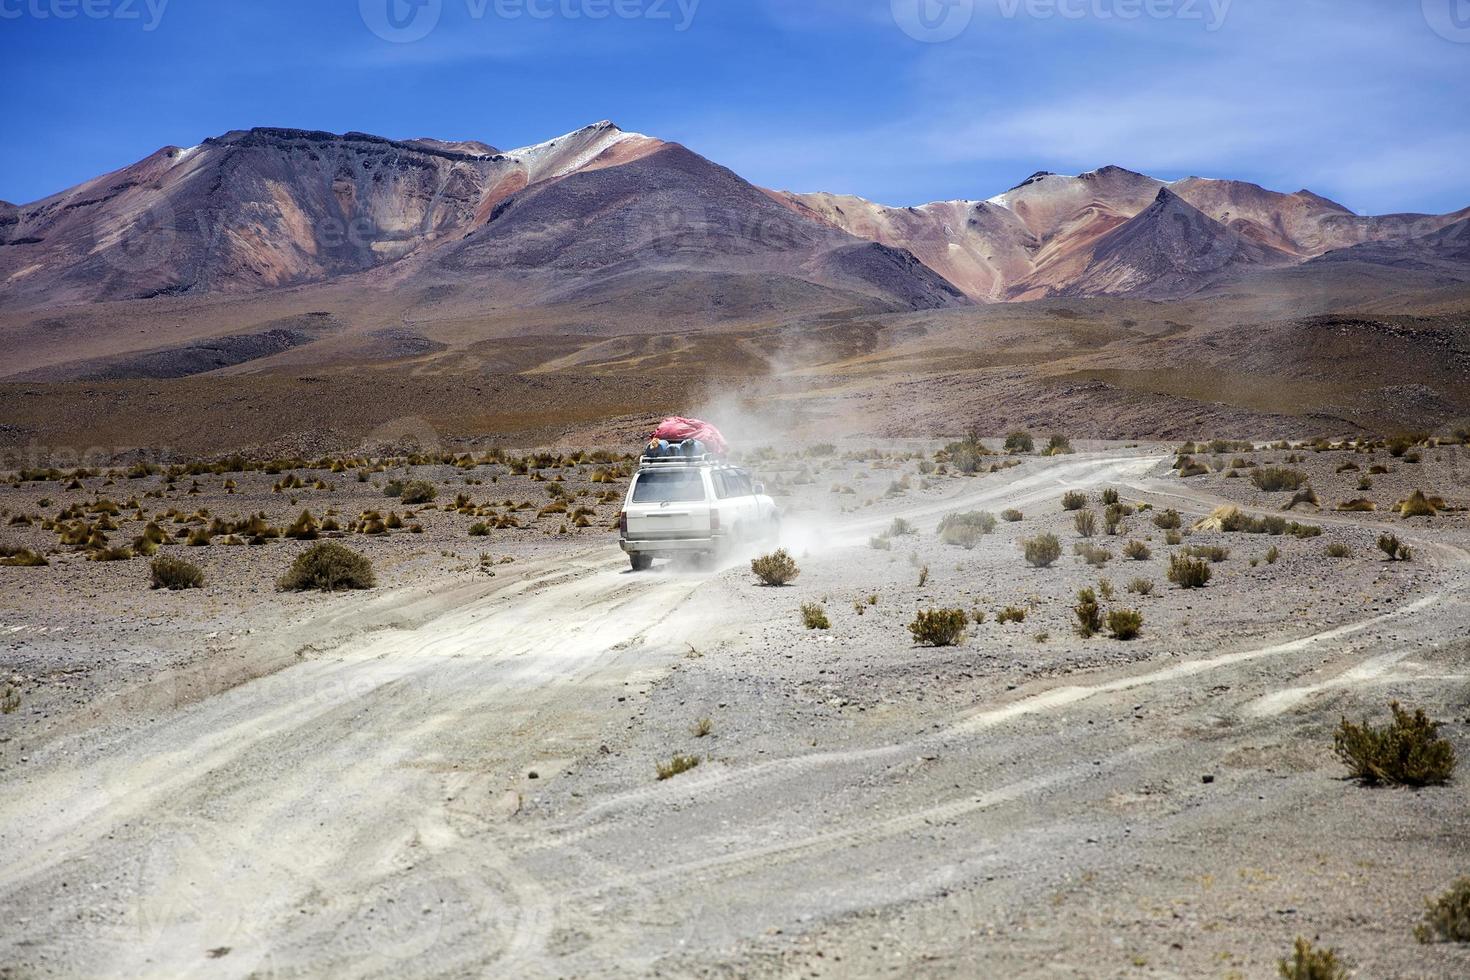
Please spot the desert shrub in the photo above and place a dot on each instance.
(479, 530)
(1358, 505)
(1307, 963)
(776, 569)
(965, 536)
(21, 558)
(900, 528)
(1417, 505)
(880, 543)
(1020, 442)
(1275, 478)
(1273, 555)
(1306, 496)
(1011, 614)
(175, 574)
(1085, 521)
(1113, 517)
(1088, 612)
(1213, 552)
(1141, 586)
(1058, 445)
(966, 456)
(328, 567)
(1395, 549)
(1074, 500)
(1398, 446)
(1137, 551)
(1012, 516)
(679, 763)
(814, 617)
(702, 728)
(1338, 549)
(939, 627)
(1189, 467)
(1167, 520)
(1406, 752)
(923, 576)
(1447, 919)
(982, 520)
(1188, 573)
(1042, 550)
(1125, 624)
(305, 528)
(418, 492)
(1092, 554)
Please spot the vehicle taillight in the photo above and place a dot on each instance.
(714, 520)
(623, 523)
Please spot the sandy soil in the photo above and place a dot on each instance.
(454, 774)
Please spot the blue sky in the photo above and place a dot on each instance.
(1361, 100)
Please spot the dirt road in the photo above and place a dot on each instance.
(471, 794)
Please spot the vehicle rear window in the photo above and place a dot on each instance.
(683, 486)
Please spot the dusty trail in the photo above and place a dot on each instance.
(354, 814)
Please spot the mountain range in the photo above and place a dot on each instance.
(602, 214)
(280, 284)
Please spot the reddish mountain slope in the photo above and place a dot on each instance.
(271, 208)
(1038, 238)
(1169, 249)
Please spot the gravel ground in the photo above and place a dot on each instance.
(455, 773)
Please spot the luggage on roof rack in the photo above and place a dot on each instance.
(677, 430)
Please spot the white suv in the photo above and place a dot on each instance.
(683, 506)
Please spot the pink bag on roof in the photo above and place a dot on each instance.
(678, 429)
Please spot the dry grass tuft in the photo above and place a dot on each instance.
(175, 574)
(1307, 963)
(679, 763)
(1447, 919)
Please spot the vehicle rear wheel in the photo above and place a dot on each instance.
(640, 563)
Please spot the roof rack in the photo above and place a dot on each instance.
(705, 459)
